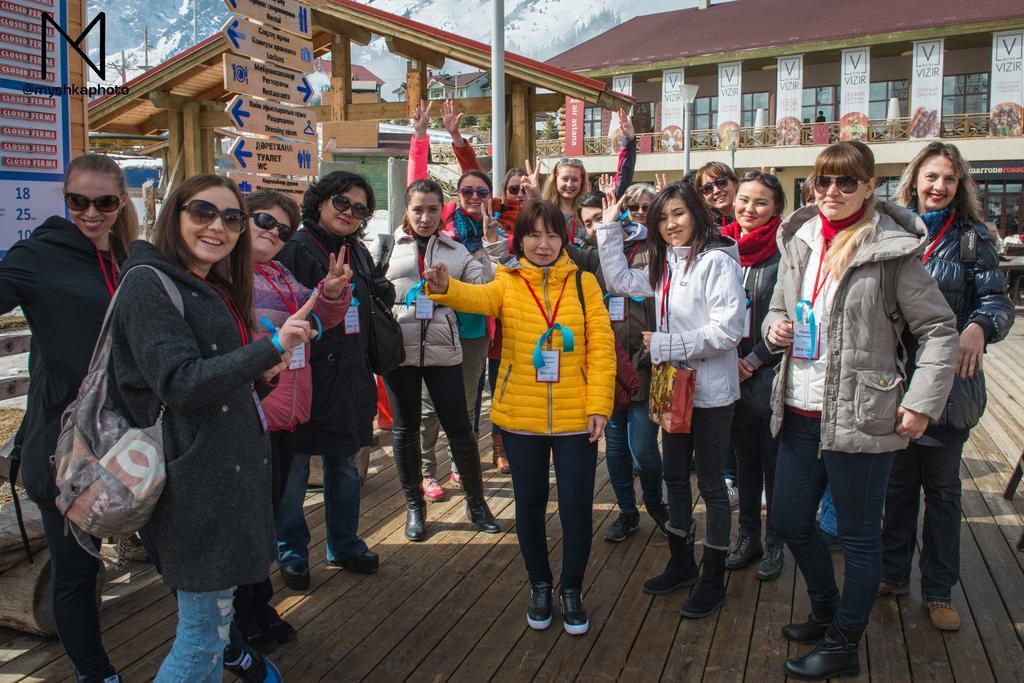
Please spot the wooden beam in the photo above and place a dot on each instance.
(417, 53)
(214, 119)
(549, 102)
(357, 34)
(123, 129)
(192, 143)
(522, 128)
(341, 78)
(415, 85)
(167, 101)
(208, 152)
(175, 137)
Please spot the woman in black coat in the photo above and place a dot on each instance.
(63, 276)
(335, 211)
(201, 369)
(937, 185)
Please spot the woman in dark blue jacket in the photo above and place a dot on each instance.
(937, 185)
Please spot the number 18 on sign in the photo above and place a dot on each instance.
(280, 157)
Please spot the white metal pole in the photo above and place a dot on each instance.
(498, 92)
(686, 138)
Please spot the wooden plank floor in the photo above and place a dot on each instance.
(454, 606)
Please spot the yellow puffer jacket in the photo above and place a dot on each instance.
(587, 375)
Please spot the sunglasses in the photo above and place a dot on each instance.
(512, 190)
(108, 203)
(264, 221)
(565, 161)
(708, 188)
(767, 178)
(342, 203)
(638, 208)
(203, 213)
(847, 184)
(480, 192)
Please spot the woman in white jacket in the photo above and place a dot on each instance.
(433, 354)
(694, 276)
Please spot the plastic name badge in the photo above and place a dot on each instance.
(352, 320)
(298, 358)
(805, 332)
(259, 411)
(617, 308)
(748, 320)
(424, 307)
(550, 371)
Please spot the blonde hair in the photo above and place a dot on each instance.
(126, 226)
(852, 158)
(635, 191)
(848, 241)
(550, 193)
(966, 201)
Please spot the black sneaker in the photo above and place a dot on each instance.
(627, 523)
(253, 667)
(574, 616)
(282, 631)
(538, 616)
(296, 576)
(770, 566)
(748, 549)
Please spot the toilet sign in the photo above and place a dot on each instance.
(280, 157)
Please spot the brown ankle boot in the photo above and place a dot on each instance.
(498, 452)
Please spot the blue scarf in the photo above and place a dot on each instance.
(933, 220)
(468, 231)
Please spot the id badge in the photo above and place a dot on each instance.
(352, 320)
(550, 371)
(424, 307)
(617, 308)
(805, 340)
(298, 358)
(259, 411)
(748, 321)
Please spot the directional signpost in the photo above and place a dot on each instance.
(249, 183)
(280, 157)
(260, 117)
(288, 15)
(244, 76)
(268, 44)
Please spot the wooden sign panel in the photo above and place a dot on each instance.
(287, 15)
(281, 157)
(267, 44)
(260, 117)
(249, 183)
(247, 77)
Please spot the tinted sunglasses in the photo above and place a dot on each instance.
(108, 203)
(512, 190)
(847, 184)
(264, 221)
(767, 178)
(342, 203)
(566, 161)
(708, 188)
(480, 192)
(203, 213)
(638, 208)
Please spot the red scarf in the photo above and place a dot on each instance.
(829, 229)
(757, 245)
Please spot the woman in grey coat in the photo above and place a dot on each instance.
(200, 370)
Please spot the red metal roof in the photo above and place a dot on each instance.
(752, 24)
(361, 73)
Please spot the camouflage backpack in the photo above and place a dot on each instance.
(110, 474)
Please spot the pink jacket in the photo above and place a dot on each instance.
(288, 405)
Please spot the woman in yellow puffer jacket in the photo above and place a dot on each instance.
(554, 395)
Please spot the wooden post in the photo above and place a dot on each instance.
(521, 137)
(208, 142)
(175, 140)
(415, 84)
(341, 77)
(192, 140)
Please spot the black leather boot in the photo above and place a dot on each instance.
(467, 458)
(748, 549)
(813, 630)
(838, 654)
(407, 464)
(574, 615)
(681, 569)
(538, 617)
(709, 594)
(416, 521)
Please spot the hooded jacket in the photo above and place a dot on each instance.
(587, 373)
(703, 313)
(55, 277)
(857, 381)
(213, 526)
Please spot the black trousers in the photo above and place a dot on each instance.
(756, 453)
(73, 574)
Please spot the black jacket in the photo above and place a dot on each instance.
(640, 317)
(344, 390)
(756, 392)
(213, 526)
(55, 277)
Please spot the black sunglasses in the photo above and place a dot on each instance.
(847, 184)
(203, 212)
(264, 221)
(513, 189)
(342, 203)
(480, 192)
(721, 182)
(108, 203)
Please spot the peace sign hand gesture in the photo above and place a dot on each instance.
(296, 329)
(421, 119)
(660, 181)
(450, 120)
(489, 224)
(626, 125)
(339, 274)
(437, 278)
(532, 180)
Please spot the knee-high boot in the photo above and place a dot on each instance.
(467, 458)
(407, 463)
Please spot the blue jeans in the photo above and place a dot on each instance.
(204, 625)
(341, 511)
(632, 440)
(827, 516)
(858, 482)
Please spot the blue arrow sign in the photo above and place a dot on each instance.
(235, 36)
(238, 113)
(303, 19)
(305, 89)
(241, 154)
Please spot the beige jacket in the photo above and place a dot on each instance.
(863, 383)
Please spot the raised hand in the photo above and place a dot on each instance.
(437, 278)
(612, 208)
(421, 119)
(296, 329)
(626, 125)
(660, 182)
(532, 179)
(606, 183)
(450, 120)
(490, 225)
(339, 274)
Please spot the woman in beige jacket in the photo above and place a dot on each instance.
(850, 285)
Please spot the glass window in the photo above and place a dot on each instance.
(824, 99)
(643, 117)
(751, 102)
(705, 111)
(965, 94)
(886, 188)
(880, 94)
(592, 122)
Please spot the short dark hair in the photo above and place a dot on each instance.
(329, 185)
(771, 181)
(264, 199)
(476, 173)
(592, 200)
(533, 210)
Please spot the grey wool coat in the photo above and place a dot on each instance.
(213, 526)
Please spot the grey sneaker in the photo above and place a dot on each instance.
(627, 523)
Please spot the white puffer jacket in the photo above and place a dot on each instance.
(705, 310)
(435, 342)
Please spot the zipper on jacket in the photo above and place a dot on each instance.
(547, 305)
(504, 383)
(423, 340)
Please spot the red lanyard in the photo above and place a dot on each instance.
(938, 239)
(554, 312)
(419, 258)
(629, 259)
(817, 290)
(110, 280)
(293, 305)
(243, 330)
(572, 228)
(664, 295)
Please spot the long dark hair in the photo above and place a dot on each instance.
(233, 273)
(331, 184)
(704, 231)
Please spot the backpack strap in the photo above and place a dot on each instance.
(969, 255)
(583, 302)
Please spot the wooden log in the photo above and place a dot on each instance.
(12, 549)
(25, 596)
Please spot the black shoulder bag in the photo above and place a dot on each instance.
(386, 347)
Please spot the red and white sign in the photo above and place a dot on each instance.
(574, 127)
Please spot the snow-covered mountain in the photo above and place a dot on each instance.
(535, 28)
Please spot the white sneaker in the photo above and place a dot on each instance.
(734, 493)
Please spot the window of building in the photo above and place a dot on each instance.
(965, 94)
(886, 188)
(824, 99)
(643, 117)
(705, 111)
(880, 94)
(751, 102)
(592, 122)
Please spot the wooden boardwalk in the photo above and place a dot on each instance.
(454, 606)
